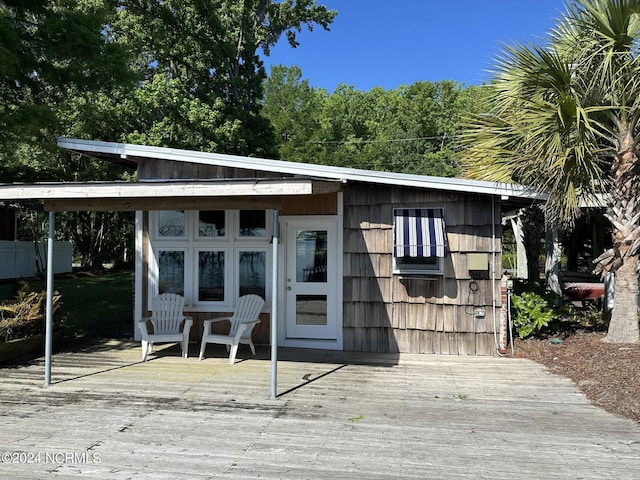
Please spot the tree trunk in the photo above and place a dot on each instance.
(624, 211)
(623, 327)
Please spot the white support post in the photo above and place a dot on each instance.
(522, 270)
(49, 308)
(138, 262)
(274, 309)
(552, 263)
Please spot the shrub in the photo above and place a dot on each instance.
(590, 317)
(532, 309)
(25, 315)
(531, 313)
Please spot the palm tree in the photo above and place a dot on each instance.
(565, 121)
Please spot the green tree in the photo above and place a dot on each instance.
(202, 74)
(293, 108)
(413, 129)
(421, 128)
(50, 49)
(564, 120)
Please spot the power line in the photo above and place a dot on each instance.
(391, 140)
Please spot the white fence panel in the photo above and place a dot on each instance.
(18, 259)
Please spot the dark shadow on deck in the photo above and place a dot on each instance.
(310, 380)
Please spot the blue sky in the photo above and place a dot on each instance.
(392, 43)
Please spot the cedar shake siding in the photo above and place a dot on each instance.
(384, 312)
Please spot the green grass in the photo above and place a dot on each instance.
(95, 305)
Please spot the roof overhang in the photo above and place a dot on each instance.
(131, 154)
(166, 195)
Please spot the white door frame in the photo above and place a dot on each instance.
(310, 222)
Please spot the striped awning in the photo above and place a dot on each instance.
(418, 232)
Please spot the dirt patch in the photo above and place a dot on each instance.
(608, 374)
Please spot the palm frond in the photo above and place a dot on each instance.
(562, 111)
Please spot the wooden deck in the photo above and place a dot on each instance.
(339, 416)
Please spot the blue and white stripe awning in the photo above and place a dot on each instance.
(418, 232)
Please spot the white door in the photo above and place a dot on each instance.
(311, 282)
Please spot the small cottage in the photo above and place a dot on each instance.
(365, 261)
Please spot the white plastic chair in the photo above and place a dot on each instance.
(167, 316)
(242, 321)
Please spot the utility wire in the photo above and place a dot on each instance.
(377, 141)
(391, 140)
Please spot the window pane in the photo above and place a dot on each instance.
(253, 223)
(311, 310)
(171, 272)
(211, 223)
(418, 265)
(311, 256)
(417, 261)
(171, 223)
(211, 277)
(252, 271)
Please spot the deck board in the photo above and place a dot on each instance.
(339, 415)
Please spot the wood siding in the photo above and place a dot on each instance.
(172, 170)
(383, 312)
(325, 204)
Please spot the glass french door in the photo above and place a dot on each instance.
(311, 281)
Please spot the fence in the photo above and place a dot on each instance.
(18, 259)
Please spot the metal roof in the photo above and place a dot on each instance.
(128, 153)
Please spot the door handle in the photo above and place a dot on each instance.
(288, 288)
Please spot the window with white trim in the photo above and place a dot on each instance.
(211, 257)
(171, 272)
(211, 278)
(419, 241)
